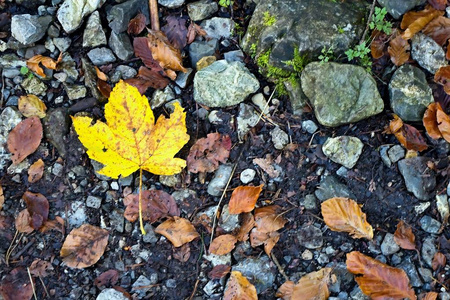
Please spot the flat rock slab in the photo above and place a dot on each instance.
(340, 93)
(419, 179)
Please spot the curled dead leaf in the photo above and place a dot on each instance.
(148, 78)
(430, 121)
(399, 50)
(22, 222)
(239, 288)
(247, 223)
(285, 290)
(439, 30)
(31, 106)
(439, 261)
(24, 139)
(430, 296)
(243, 199)
(48, 62)
(206, 153)
(36, 171)
(414, 22)
(177, 230)
(156, 205)
(56, 224)
(313, 285)
(404, 236)
(194, 30)
(443, 121)
(137, 24)
(176, 31)
(269, 240)
(442, 77)
(379, 40)
(41, 268)
(167, 55)
(38, 207)
(16, 285)
(407, 135)
(107, 278)
(269, 218)
(223, 244)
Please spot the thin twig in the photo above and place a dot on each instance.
(45, 288)
(32, 284)
(11, 248)
(280, 269)
(372, 8)
(195, 289)
(154, 17)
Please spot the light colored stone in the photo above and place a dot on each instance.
(72, 12)
(344, 150)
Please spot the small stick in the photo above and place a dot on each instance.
(154, 17)
(280, 269)
(372, 8)
(140, 203)
(195, 289)
(32, 284)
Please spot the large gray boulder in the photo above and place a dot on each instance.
(397, 8)
(28, 29)
(72, 12)
(340, 93)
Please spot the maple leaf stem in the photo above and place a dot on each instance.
(140, 202)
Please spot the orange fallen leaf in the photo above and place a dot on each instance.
(430, 121)
(269, 240)
(137, 24)
(24, 139)
(206, 153)
(313, 286)
(167, 55)
(239, 288)
(430, 296)
(399, 51)
(38, 207)
(84, 246)
(56, 224)
(247, 223)
(31, 106)
(36, 171)
(442, 77)
(414, 22)
(404, 236)
(2, 198)
(243, 199)
(443, 121)
(48, 62)
(223, 244)
(438, 30)
(407, 135)
(22, 222)
(439, 261)
(285, 290)
(100, 74)
(269, 218)
(378, 44)
(378, 280)
(194, 30)
(219, 271)
(345, 215)
(177, 230)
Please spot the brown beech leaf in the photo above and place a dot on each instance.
(156, 205)
(167, 55)
(104, 88)
(36, 171)
(267, 165)
(269, 240)
(438, 30)
(442, 77)
(223, 244)
(313, 285)
(48, 62)
(243, 199)
(31, 106)
(41, 268)
(285, 290)
(404, 236)
(414, 22)
(269, 218)
(438, 4)
(206, 153)
(84, 246)
(176, 31)
(16, 285)
(219, 271)
(137, 24)
(108, 278)
(345, 215)
(142, 50)
(447, 53)
(146, 79)
(24, 139)
(100, 74)
(430, 121)
(2, 198)
(37, 206)
(439, 261)
(182, 253)
(378, 44)
(378, 280)
(399, 51)
(177, 230)
(194, 30)
(22, 222)
(443, 121)
(407, 135)
(56, 224)
(239, 288)
(430, 296)
(247, 223)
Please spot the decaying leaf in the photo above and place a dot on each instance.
(177, 230)
(219, 271)
(379, 40)
(267, 165)
(430, 121)
(430, 296)
(36, 171)
(182, 253)
(48, 62)
(2, 198)
(84, 246)
(439, 261)
(407, 135)
(31, 106)
(443, 121)
(269, 240)
(223, 244)
(146, 79)
(313, 286)
(206, 153)
(438, 30)
(104, 88)
(56, 224)
(247, 223)
(176, 31)
(22, 222)
(37, 206)
(156, 204)
(243, 199)
(269, 218)
(194, 30)
(24, 139)
(143, 51)
(137, 24)
(378, 280)
(285, 290)
(414, 22)
(107, 278)
(404, 236)
(16, 285)
(131, 140)
(167, 55)
(239, 288)
(399, 51)
(345, 215)
(438, 4)
(442, 76)
(41, 268)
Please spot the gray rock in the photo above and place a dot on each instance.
(344, 150)
(340, 94)
(171, 3)
(93, 202)
(90, 81)
(442, 206)
(236, 55)
(160, 97)
(259, 271)
(279, 138)
(76, 215)
(426, 274)
(310, 236)
(211, 287)
(428, 54)
(218, 27)
(57, 169)
(260, 101)
(101, 56)
(411, 271)
(150, 235)
(183, 79)
(396, 8)
(430, 225)
(12, 61)
(35, 50)
(75, 91)
(116, 221)
(409, 93)
(53, 31)
(218, 259)
(309, 202)
(331, 187)
(72, 12)
(121, 45)
(202, 9)
(34, 85)
(142, 285)
(389, 246)
(62, 43)
(56, 128)
(396, 153)
(309, 126)
(28, 29)
(199, 49)
(126, 71)
(419, 179)
(218, 183)
(296, 96)
(94, 35)
(120, 15)
(10, 72)
(111, 294)
(384, 155)
(223, 84)
(227, 221)
(247, 176)
(9, 119)
(428, 250)
(247, 118)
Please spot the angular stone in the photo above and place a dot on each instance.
(430, 225)
(202, 9)
(199, 49)
(121, 45)
(310, 236)
(94, 35)
(389, 246)
(344, 150)
(428, 54)
(419, 179)
(331, 187)
(120, 15)
(72, 12)
(218, 27)
(101, 56)
(56, 128)
(260, 272)
(279, 138)
(28, 29)
(171, 3)
(396, 8)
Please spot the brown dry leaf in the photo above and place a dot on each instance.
(37, 206)
(439, 261)
(443, 121)
(31, 106)
(177, 230)
(100, 74)
(194, 30)
(142, 50)
(156, 204)
(447, 53)
(167, 55)
(243, 199)
(399, 51)
(16, 285)
(285, 290)
(219, 271)
(146, 79)
(48, 62)
(223, 244)
(104, 88)
(176, 31)
(239, 288)
(378, 44)
(269, 240)
(414, 22)
(36, 171)
(84, 246)
(107, 278)
(442, 77)
(2, 198)
(313, 286)
(182, 253)
(206, 153)
(56, 224)
(438, 30)
(269, 218)
(267, 165)
(407, 135)
(430, 296)
(247, 223)
(41, 268)
(378, 280)
(404, 236)
(438, 4)
(345, 215)
(430, 121)
(22, 222)
(24, 139)
(137, 24)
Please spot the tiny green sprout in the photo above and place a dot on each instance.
(225, 3)
(360, 52)
(24, 70)
(327, 54)
(378, 22)
(268, 19)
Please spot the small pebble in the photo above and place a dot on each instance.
(114, 185)
(247, 175)
(93, 202)
(309, 126)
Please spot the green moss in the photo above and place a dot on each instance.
(268, 19)
(298, 62)
(253, 49)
